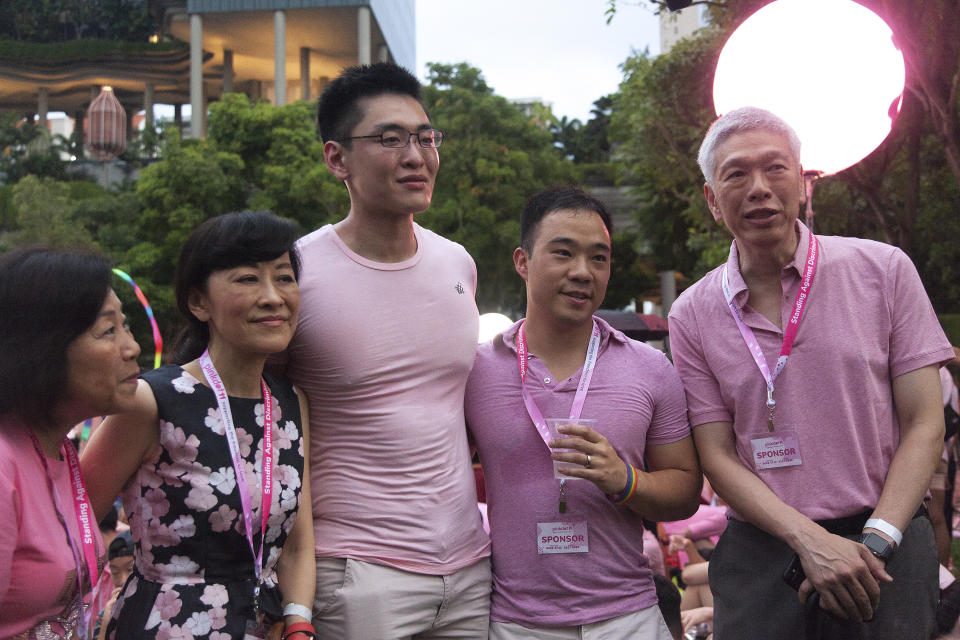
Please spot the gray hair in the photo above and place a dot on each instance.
(738, 121)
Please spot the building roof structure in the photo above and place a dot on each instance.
(269, 49)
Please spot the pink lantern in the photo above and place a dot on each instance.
(106, 126)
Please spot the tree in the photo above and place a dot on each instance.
(59, 20)
(905, 193)
(659, 117)
(283, 164)
(492, 159)
(27, 149)
(44, 215)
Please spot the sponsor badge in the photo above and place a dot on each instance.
(774, 451)
(562, 537)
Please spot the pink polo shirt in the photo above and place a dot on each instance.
(637, 400)
(867, 321)
(38, 575)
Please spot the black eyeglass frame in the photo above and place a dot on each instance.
(436, 140)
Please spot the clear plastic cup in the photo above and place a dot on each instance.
(552, 424)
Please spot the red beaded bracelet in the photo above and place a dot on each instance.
(299, 627)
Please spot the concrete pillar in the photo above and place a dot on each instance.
(279, 58)
(383, 53)
(228, 70)
(668, 291)
(363, 35)
(196, 76)
(43, 106)
(305, 74)
(78, 131)
(148, 105)
(129, 111)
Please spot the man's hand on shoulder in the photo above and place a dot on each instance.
(845, 574)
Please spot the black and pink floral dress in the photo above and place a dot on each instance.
(193, 575)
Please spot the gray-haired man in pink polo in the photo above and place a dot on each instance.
(810, 367)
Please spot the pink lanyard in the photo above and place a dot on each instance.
(803, 296)
(210, 372)
(588, 365)
(83, 511)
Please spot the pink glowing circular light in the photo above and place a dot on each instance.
(827, 67)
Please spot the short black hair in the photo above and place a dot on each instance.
(337, 109)
(225, 242)
(121, 546)
(668, 599)
(554, 199)
(47, 299)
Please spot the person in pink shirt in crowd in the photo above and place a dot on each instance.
(568, 557)
(65, 355)
(941, 510)
(824, 453)
(387, 335)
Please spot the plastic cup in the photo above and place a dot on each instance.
(552, 424)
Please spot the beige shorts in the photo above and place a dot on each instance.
(646, 624)
(358, 600)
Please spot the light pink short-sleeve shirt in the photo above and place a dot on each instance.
(868, 320)
(38, 575)
(383, 351)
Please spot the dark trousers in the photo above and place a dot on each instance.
(751, 601)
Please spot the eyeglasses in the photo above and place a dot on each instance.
(427, 138)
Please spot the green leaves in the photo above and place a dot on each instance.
(492, 159)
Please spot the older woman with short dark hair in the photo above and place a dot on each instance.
(65, 355)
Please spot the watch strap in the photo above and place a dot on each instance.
(885, 527)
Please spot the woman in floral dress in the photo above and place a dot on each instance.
(206, 563)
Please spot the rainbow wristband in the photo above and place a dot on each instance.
(624, 496)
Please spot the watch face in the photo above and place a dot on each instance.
(878, 546)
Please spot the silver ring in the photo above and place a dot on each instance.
(588, 461)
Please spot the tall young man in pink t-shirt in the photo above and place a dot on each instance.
(825, 451)
(568, 557)
(386, 338)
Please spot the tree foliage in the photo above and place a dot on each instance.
(283, 165)
(906, 193)
(60, 20)
(493, 158)
(26, 149)
(660, 115)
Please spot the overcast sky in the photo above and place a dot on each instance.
(561, 51)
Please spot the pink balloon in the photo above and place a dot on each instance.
(827, 67)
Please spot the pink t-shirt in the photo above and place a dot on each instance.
(867, 321)
(38, 576)
(383, 351)
(948, 390)
(637, 400)
(707, 522)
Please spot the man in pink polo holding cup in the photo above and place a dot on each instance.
(567, 552)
